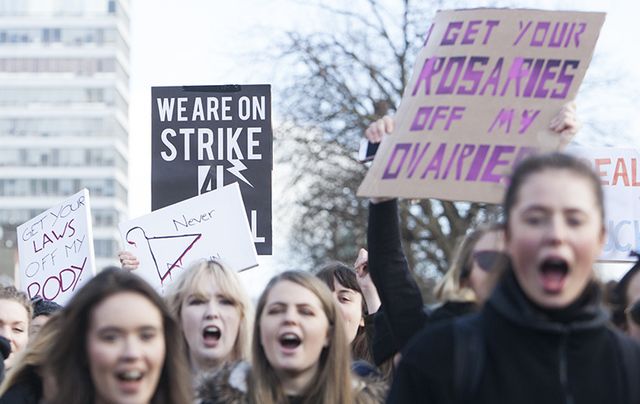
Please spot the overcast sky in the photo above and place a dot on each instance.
(208, 42)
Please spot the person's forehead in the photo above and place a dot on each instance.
(12, 311)
(292, 293)
(561, 188)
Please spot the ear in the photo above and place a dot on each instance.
(602, 238)
(327, 339)
(361, 324)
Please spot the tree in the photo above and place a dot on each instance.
(344, 81)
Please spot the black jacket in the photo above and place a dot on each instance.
(531, 355)
(399, 293)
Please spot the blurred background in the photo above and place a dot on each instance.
(75, 109)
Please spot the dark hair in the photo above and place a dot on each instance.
(43, 307)
(69, 362)
(347, 278)
(618, 296)
(550, 161)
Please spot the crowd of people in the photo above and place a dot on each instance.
(521, 319)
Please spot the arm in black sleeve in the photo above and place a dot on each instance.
(398, 290)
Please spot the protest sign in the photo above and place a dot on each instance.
(205, 137)
(484, 88)
(619, 171)
(56, 250)
(212, 225)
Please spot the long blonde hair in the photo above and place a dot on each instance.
(215, 271)
(333, 384)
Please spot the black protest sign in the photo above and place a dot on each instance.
(205, 137)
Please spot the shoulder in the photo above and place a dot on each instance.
(228, 385)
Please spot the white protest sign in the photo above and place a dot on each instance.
(212, 225)
(619, 171)
(56, 250)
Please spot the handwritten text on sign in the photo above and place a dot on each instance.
(168, 240)
(484, 89)
(56, 250)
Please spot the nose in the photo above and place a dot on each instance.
(290, 316)
(212, 310)
(557, 231)
(132, 348)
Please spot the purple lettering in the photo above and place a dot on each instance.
(490, 24)
(547, 74)
(436, 162)
(495, 161)
(415, 160)
(505, 116)
(467, 150)
(541, 26)
(473, 76)
(458, 63)
(450, 37)
(527, 119)
(477, 162)
(422, 116)
(456, 147)
(431, 66)
(523, 30)
(403, 147)
(471, 31)
(565, 79)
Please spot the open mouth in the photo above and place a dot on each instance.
(289, 340)
(211, 333)
(129, 376)
(554, 273)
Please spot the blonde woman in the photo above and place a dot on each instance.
(299, 350)
(214, 313)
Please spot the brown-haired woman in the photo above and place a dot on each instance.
(543, 336)
(117, 343)
(299, 351)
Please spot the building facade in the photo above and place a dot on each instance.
(64, 83)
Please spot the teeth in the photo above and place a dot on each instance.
(131, 375)
(289, 337)
(211, 328)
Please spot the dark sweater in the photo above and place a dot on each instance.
(531, 355)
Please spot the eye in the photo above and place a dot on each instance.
(306, 311)
(534, 219)
(108, 337)
(344, 299)
(226, 301)
(575, 220)
(18, 330)
(275, 310)
(194, 301)
(148, 335)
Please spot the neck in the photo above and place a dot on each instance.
(296, 383)
(200, 365)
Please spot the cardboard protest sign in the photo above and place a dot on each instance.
(212, 225)
(619, 170)
(56, 250)
(484, 88)
(205, 137)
